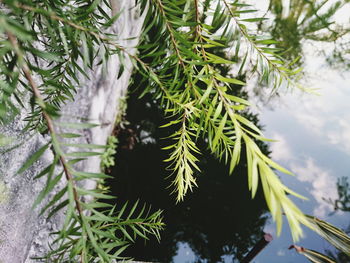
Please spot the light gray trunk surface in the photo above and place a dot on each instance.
(23, 233)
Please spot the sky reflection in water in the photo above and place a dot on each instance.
(313, 134)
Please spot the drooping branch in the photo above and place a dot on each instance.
(23, 65)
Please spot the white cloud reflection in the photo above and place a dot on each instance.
(340, 135)
(281, 253)
(331, 127)
(326, 116)
(280, 149)
(321, 182)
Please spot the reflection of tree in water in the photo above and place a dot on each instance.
(218, 218)
(298, 20)
(342, 203)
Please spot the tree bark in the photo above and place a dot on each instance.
(23, 233)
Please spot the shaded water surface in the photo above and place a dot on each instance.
(218, 219)
(219, 222)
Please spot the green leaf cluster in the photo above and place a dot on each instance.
(335, 236)
(108, 156)
(45, 49)
(312, 255)
(58, 35)
(179, 64)
(301, 20)
(47, 46)
(91, 230)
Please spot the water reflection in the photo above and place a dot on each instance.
(341, 203)
(293, 22)
(313, 142)
(217, 219)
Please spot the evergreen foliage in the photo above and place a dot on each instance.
(301, 20)
(182, 74)
(107, 158)
(207, 220)
(44, 45)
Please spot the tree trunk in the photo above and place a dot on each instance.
(23, 233)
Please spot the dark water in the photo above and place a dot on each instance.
(217, 219)
(219, 222)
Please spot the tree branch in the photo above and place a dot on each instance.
(23, 65)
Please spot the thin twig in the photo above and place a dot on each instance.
(172, 37)
(103, 38)
(50, 125)
(246, 36)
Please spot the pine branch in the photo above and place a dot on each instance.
(48, 119)
(53, 16)
(274, 185)
(182, 160)
(49, 122)
(275, 67)
(182, 73)
(84, 223)
(170, 30)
